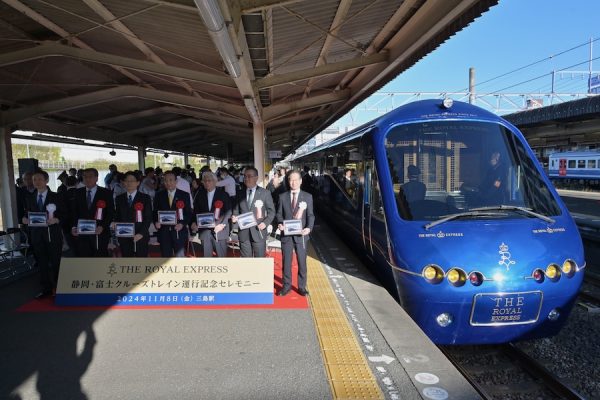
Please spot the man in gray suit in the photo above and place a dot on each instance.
(295, 204)
(253, 240)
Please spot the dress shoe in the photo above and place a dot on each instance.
(283, 292)
(42, 294)
(302, 292)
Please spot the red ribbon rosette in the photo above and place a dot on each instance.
(100, 205)
(138, 207)
(180, 205)
(218, 205)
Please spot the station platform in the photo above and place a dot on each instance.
(348, 339)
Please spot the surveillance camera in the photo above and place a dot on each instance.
(113, 153)
(166, 155)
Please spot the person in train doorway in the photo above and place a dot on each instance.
(92, 202)
(172, 232)
(46, 238)
(493, 186)
(253, 240)
(295, 204)
(134, 207)
(216, 201)
(414, 190)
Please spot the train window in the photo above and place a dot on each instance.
(571, 164)
(591, 164)
(376, 202)
(445, 167)
(580, 163)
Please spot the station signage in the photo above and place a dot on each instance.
(274, 153)
(165, 281)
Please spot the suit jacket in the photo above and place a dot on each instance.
(41, 233)
(201, 207)
(161, 203)
(267, 213)
(284, 211)
(126, 213)
(80, 209)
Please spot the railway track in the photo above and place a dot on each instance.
(589, 295)
(505, 372)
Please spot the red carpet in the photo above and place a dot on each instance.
(292, 301)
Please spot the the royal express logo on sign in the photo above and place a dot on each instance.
(165, 281)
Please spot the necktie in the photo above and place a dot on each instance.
(129, 201)
(170, 199)
(40, 203)
(293, 201)
(89, 199)
(250, 197)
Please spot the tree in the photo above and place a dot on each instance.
(49, 153)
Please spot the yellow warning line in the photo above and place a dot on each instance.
(347, 368)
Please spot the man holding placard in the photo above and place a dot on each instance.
(296, 220)
(92, 214)
(43, 211)
(212, 209)
(253, 213)
(133, 210)
(172, 216)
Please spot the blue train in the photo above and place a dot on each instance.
(458, 218)
(575, 170)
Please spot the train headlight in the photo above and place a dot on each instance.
(444, 319)
(538, 275)
(553, 272)
(456, 277)
(476, 278)
(569, 267)
(433, 273)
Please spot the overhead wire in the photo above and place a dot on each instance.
(534, 63)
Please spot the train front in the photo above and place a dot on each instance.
(482, 248)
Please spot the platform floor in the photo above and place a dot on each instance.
(352, 341)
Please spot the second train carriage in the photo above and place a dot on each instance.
(458, 218)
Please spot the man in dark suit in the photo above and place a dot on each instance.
(134, 206)
(46, 240)
(209, 200)
(172, 238)
(94, 203)
(295, 204)
(253, 240)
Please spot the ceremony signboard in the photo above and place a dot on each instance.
(165, 281)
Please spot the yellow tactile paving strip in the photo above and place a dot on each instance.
(347, 369)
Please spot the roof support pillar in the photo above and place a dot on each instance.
(259, 149)
(186, 160)
(8, 193)
(141, 158)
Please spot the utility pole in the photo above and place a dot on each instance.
(471, 85)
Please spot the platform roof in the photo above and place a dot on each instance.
(570, 123)
(150, 73)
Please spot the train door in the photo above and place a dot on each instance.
(366, 209)
(562, 167)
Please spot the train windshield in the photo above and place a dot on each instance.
(449, 167)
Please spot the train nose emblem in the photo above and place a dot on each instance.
(505, 257)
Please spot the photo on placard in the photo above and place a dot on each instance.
(167, 217)
(206, 220)
(246, 220)
(124, 229)
(37, 219)
(86, 227)
(292, 227)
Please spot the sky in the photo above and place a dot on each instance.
(511, 35)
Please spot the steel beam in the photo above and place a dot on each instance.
(102, 96)
(50, 49)
(279, 110)
(321, 70)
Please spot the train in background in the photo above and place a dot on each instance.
(578, 170)
(457, 218)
